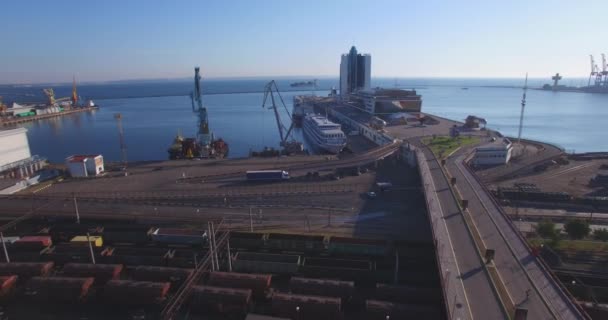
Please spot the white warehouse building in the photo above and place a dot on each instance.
(85, 165)
(16, 160)
(496, 153)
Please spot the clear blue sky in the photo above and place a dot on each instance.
(48, 41)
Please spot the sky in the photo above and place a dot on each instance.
(50, 41)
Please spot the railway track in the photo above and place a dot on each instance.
(361, 159)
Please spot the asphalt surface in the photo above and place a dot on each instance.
(518, 268)
(483, 302)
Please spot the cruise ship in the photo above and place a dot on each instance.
(324, 134)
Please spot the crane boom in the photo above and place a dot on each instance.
(284, 132)
(523, 106)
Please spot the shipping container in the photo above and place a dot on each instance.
(162, 274)
(134, 256)
(127, 234)
(306, 307)
(8, 241)
(267, 175)
(258, 283)
(141, 293)
(101, 272)
(295, 242)
(23, 255)
(358, 246)
(26, 270)
(322, 287)
(34, 243)
(58, 289)
(179, 236)
(266, 263)
(246, 240)
(66, 231)
(65, 253)
(337, 268)
(7, 283)
(96, 241)
(220, 300)
(379, 310)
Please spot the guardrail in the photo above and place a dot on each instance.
(431, 206)
(543, 266)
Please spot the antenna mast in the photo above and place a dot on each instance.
(523, 107)
(123, 146)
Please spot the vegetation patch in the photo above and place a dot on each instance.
(442, 146)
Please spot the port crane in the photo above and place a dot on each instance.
(289, 144)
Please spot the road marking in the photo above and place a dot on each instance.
(508, 244)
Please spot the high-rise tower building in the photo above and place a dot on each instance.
(355, 72)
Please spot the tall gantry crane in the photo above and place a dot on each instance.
(204, 136)
(604, 71)
(289, 144)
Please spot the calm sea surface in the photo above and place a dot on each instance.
(154, 111)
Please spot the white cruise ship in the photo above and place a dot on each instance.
(324, 134)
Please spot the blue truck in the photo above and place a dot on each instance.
(267, 175)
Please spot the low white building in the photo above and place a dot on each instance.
(85, 165)
(496, 153)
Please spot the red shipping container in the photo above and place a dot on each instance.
(124, 292)
(7, 283)
(258, 283)
(33, 242)
(58, 289)
(26, 269)
(101, 272)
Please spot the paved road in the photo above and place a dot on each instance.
(483, 302)
(518, 268)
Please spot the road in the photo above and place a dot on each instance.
(481, 298)
(518, 268)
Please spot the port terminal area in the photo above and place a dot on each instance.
(327, 199)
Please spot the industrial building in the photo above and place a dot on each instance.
(16, 160)
(355, 72)
(383, 101)
(496, 153)
(81, 166)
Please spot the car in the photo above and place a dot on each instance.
(371, 195)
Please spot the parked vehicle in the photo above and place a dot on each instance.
(267, 175)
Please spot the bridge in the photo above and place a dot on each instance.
(487, 269)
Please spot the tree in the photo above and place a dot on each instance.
(601, 234)
(546, 229)
(577, 229)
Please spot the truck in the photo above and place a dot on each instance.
(267, 175)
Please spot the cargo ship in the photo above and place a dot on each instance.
(303, 84)
(324, 134)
